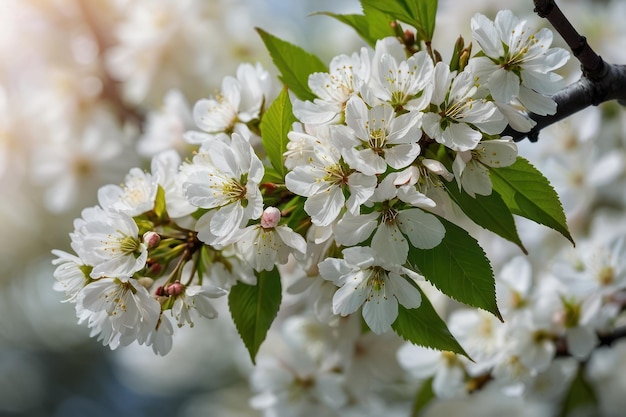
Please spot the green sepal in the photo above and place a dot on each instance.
(159, 204)
(423, 397)
(579, 395)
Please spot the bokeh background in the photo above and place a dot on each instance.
(79, 81)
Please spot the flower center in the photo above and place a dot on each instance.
(335, 174)
(234, 190)
(606, 275)
(129, 244)
(378, 138)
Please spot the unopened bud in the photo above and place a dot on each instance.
(270, 218)
(154, 268)
(174, 289)
(409, 38)
(151, 239)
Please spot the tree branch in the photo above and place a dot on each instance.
(600, 81)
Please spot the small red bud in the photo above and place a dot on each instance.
(151, 239)
(174, 289)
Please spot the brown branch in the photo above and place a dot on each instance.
(599, 83)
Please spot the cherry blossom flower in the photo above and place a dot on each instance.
(324, 180)
(392, 224)
(471, 168)
(345, 77)
(109, 242)
(370, 281)
(130, 310)
(134, 197)
(224, 176)
(240, 102)
(377, 138)
(396, 79)
(71, 274)
(456, 117)
(518, 61)
(195, 298)
(446, 368)
(265, 245)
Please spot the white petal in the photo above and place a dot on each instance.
(424, 230)
(351, 229)
(401, 156)
(536, 102)
(292, 239)
(390, 244)
(405, 293)
(504, 85)
(581, 340)
(324, 207)
(484, 31)
(351, 296)
(380, 311)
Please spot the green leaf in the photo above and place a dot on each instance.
(294, 63)
(277, 121)
(423, 397)
(580, 394)
(418, 13)
(423, 326)
(459, 268)
(427, 13)
(159, 203)
(528, 193)
(371, 26)
(254, 307)
(488, 211)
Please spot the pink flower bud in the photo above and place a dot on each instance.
(270, 218)
(175, 289)
(151, 239)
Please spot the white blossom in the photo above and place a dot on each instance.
(240, 102)
(370, 281)
(333, 89)
(265, 245)
(471, 168)
(108, 241)
(377, 138)
(460, 117)
(323, 182)
(518, 61)
(224, 176)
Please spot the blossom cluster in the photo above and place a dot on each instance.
(368, 169)
(369, 159)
